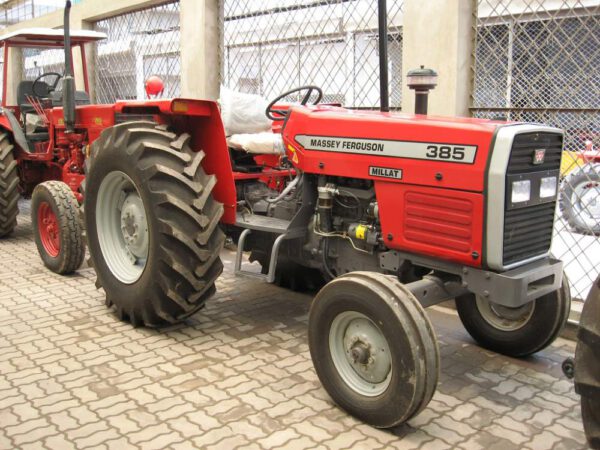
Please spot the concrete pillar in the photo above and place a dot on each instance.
(439, 35)
(200, 59)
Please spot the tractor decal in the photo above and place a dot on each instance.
(456, 153)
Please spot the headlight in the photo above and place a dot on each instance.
(548, 187)
(521, 191)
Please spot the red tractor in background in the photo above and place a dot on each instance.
(394, 212)
(41, 155)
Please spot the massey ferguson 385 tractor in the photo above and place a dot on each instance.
(41, 154)
(394, 212)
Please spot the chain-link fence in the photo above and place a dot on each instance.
(272, 47)
(140, 44)
(537, 61)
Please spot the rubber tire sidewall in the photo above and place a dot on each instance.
(380, 410)
(109, 160)
(548, 319)
(59, 263)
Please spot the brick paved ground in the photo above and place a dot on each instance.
(237, 374)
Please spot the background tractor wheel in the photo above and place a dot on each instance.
(587, 365)
(152, 224)
(519, 331)
(373, 348)
(58, 230)
(289, 274)
(580, 199)
(9, 181)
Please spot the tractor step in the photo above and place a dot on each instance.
(254, 222)
(262, 223)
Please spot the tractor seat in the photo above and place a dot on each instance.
(25, 89)
(81, 98)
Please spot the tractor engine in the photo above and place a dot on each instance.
(346, 209)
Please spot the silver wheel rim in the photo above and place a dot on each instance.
(360, 353)
(586, 202)
(122, 227)
(505, 318)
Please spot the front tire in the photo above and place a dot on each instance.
(9, 181)
(373, 348)
(516, 332)
(58, 230)
(152, 224)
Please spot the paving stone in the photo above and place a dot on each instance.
(237, 375)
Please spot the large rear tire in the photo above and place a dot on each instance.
(289, 274)
(516, 332)
(152, 224)
(58, 230)
(9, 182)
(373, 348)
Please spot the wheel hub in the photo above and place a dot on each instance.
(505, 318)
(361, 353)
(134, 226)
(122, 227)
(48, 229)
(586, 197)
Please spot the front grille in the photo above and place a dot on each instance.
(528, 230)
(524, 146)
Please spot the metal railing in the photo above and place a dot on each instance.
(538, 62)
(329, 43)
(140, 44)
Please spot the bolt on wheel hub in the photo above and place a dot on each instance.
(360, 353)
(134, 225)
(122, 227)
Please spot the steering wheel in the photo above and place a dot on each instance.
(51, 87)
(281, 113)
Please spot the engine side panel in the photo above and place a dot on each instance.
(437, 222)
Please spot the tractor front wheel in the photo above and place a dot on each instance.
(9, 181)
(58, 231)
(152, 224)
(516, 332)
(373, 348)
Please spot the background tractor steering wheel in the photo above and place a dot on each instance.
(281, 113)
(51, 87)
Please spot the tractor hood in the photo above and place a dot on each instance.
(422, 150)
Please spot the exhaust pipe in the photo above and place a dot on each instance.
(68, 100)
(384, 94)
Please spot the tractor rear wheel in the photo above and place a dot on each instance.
(373, 348)
(516, 332)
(580, 199)
(58, 230)
(9, 181)
(289, 274)
(152, 224)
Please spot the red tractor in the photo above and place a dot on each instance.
(41, 155)
(391, 212)
(395, 212)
